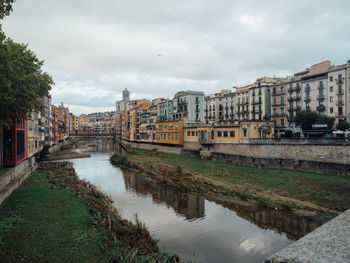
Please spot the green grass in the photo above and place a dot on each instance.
(327, 190)
(40, 224)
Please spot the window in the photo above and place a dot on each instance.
(282, 122)
(340, 111)
(196, 133)
(219, 134)
(331, 89)
(225, 133)
(192, 133)
(176, 136)
(212, 135)
(331, 78)
(331, 109)
(172, 137)
(232, 134)
(330, 99)
(245, 132)
(188, 133)
(168, 136)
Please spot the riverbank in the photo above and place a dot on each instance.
(315, 196)
(54, 216)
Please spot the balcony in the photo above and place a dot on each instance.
(197, 101)
(321, 97)
(256, 111)
(221, 108)
(294, 97)
(321, 108)
(340, 103)
(339, 81)
(297, 89)
(254, 102)
(340, 92)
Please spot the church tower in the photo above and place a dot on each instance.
(126, 95)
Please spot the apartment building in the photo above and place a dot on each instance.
(337, 104)
(242, 103)
(189, 106)
(214, 109)
(260, 99)
(170, 132)
(229, 102)
(30, 136)
(165, 110)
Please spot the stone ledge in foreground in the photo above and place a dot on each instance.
(328, 243)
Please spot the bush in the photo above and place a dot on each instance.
(117, 159)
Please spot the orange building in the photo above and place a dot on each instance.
(170, 132)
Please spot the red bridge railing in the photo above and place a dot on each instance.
(95, 133)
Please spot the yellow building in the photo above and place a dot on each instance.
(255, 130)
(211, 134)
(170, 132)
(207, 134)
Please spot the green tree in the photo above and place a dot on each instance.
(322, 119)
(22, 82)
(5, 7)
(343, 125)
(305, 119)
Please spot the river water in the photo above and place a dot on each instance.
(189, 225)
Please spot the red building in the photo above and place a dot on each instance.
(15, 141)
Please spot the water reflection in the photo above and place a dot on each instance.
(189, 205)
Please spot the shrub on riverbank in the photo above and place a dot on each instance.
(117, 159)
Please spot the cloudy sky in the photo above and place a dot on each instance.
(94, 49)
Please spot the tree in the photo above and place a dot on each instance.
(5, 7)
(305, 119)
(322, 119)
(343, 125)
(22, 82)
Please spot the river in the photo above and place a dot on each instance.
(187, 224)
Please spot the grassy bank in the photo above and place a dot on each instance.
(55, 217)
(321, 196)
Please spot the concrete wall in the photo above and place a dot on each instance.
(11, 178)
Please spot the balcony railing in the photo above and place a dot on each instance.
(340, 103)
(321, 97)
(340, 92)
(321, 108)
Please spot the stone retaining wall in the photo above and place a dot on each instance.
(11, 178)
(152, 147)
(323, 158)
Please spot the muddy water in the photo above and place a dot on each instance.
(187, 224)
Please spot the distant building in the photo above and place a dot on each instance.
(189, 106)
(121, 104)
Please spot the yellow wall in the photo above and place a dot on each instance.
(212, 134)
(170, 132)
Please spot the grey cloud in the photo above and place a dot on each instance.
(94, 49)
